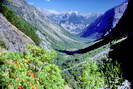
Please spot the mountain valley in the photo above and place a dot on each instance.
(45, 49)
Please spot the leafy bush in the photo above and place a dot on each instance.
(112, 73)
(84, 75)
(91, 78)
(20, 23)
(93, 75)
(30, 70)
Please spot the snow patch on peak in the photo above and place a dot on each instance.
(72, 21)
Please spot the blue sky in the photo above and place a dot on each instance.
(82, 6)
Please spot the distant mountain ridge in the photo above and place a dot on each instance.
(72, 21)
(103, 25)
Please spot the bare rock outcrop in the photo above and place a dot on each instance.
(13, 38)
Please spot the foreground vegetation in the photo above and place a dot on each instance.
(30, 70)
(93, 75)
(36, 69)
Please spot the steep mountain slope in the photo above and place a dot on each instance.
(105, 23)
(51, 34)
(71, 21)
(13, 39)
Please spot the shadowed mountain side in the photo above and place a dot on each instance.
(105, 23)
(122, 52)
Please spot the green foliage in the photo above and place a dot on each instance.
(30, 70)
(20, 23)
(42, 55)
(84, 75)
(51, 77)
(93, 75)
(91, 78)
(2, 44)
(112, 73)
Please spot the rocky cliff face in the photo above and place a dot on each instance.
(13, 39)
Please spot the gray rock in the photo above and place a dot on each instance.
(125, 85)
(14, 39)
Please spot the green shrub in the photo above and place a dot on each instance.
(30, 70)
(91, 78)
(112, 73)
(106, 74)
(93, 75)
(84, 76)
(20, 23)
